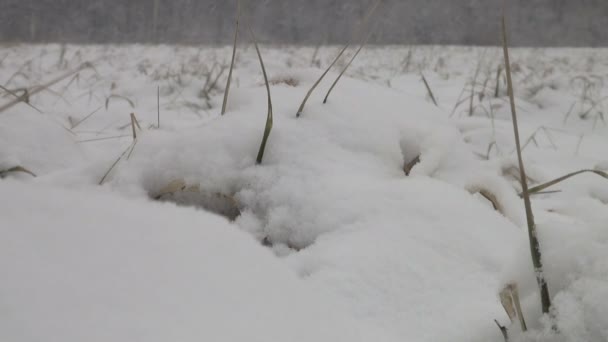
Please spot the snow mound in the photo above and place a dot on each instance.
(89, 266)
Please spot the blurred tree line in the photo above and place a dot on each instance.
(532, 22)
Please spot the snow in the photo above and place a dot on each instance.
(88, 266)
(333, 240)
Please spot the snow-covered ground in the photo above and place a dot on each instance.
(328, 238)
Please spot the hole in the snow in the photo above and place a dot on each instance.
(180, 193)
(284, 248)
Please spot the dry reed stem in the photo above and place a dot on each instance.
(236, 34)
(269, 117)
(428, 90)
(3, 173)
(534, 243)
(38, 89)
(541, 187)
(347, 66)
(314, 86)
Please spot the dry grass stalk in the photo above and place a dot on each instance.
(503, 331)
(428, 89)
(128, 151)
(313, 60)
(534, 243)
(211, 85)
(104, 138)
(269, 118)
(509, 298)
(459, 101)
(115, 96)
(85, 118)
(158, 107)
(507, 303)
(407, 61)
(4, 173)
(541, 187)
(407, 167)
(107, 173)
(134, 123)
(474, 82)
(236, 35)
(38, 89)
(497, 89)
(74, 78)
(25, 98)
(487, 194)
(347, 66)
(314, 86)
(494, 145)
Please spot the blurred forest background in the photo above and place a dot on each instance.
(532, 22)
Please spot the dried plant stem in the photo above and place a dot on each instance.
(314, 86)
(497, 89)
(474, 83)
(134, 123)
(269, 118)
(114, 96)
(3, 173)
(509, 297)
(24, 98)
(541, 187)
(428, 89)
(128, 151)
(105, 176)
(236, 35)
(38, 89)
(459, 101)
(534, 243)
(105, 138)
(314, 55)
(408, 166)
(347, 65)
(158, 107)
(86, 118)
(503, 331)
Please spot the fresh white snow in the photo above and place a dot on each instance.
(334, 241)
